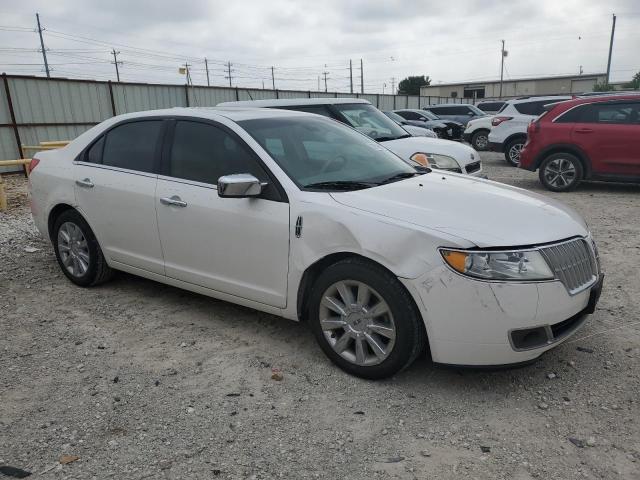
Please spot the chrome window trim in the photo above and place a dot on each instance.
(184, 181)
(115, 169)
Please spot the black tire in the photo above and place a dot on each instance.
(97, 270)
(410, 336)
(515, 144)
(480, 140)
(561, 172)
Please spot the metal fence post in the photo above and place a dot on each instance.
(186, 94)
(377, 100)
(309, 93)
(277, 94)
(12, 115)
(113, 102)
(237, 95)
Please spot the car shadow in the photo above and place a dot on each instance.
(295, 339)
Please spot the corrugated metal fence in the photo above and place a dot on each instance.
(35, 109)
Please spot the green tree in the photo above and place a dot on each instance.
(634, 83)
(602, 87)
(411, 85)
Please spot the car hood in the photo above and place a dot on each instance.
(485, 213)
(453, 123)
(435, 124)
(406, 147)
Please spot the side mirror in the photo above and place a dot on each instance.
(239, 185)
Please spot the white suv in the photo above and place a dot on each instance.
(509, 127)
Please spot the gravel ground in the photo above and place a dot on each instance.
(135, 379)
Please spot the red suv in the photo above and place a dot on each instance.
(587, 138)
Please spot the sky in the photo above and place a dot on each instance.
(449, 41)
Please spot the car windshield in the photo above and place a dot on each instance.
(476, 110)
(395, 117)
(372, 122)
(318, 153)
(429, 115)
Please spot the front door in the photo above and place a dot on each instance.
(610, 133)
(115, 185)
(238, 246)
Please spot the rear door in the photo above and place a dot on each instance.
(609, 132)
(237, 246)
(115, 191)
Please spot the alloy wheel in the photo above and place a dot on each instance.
(73, 249)
(357, 323)
(560, 172)
(514, 153)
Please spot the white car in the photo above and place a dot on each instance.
(300, 216)
(509, 126)
(419, 132)
(364, 117)
(477, 133)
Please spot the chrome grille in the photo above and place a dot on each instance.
(573, 263)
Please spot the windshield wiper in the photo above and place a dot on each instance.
(400, 176)
(342, 185)
(384, 139)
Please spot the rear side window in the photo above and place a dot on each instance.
(409, 115)
(94, 155)
(203, 153)
(490, 106)
(132, 146)
(532, 108)
(438, 110)
(605, 113)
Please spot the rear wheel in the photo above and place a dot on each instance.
(77, 250)
(364, 319)
(480, 140)
(512, 151)
(561, 172)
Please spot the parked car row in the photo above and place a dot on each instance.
(323, 218)
(365, 118)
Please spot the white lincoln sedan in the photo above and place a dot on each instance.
(300, 216)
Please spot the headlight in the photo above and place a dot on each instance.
(514, 265)
(436, 160)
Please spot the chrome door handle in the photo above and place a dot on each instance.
(174, 201)
(86, 183)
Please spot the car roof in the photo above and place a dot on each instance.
(293, 102)
(550, 98)
(235, 114)
(602, 98)
(448, 105)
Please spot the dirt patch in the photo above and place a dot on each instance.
(142, 380)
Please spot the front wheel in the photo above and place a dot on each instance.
(364, 319)
(480, 140)
(512, 151)
(561, 172)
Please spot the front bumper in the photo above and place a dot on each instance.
(467, 137)
(473, 323)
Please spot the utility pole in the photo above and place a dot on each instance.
(361, 78)
(613, 30)
(44, 50)
(502, 55)
(273, 79)
(229, 72)
(116, 62)
(325, 80)
(206, 67)
(318, 83)
(393, 85)
(351, 76)
(186, 69)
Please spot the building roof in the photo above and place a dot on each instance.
(585, 76)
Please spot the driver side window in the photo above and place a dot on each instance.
(203, 153)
